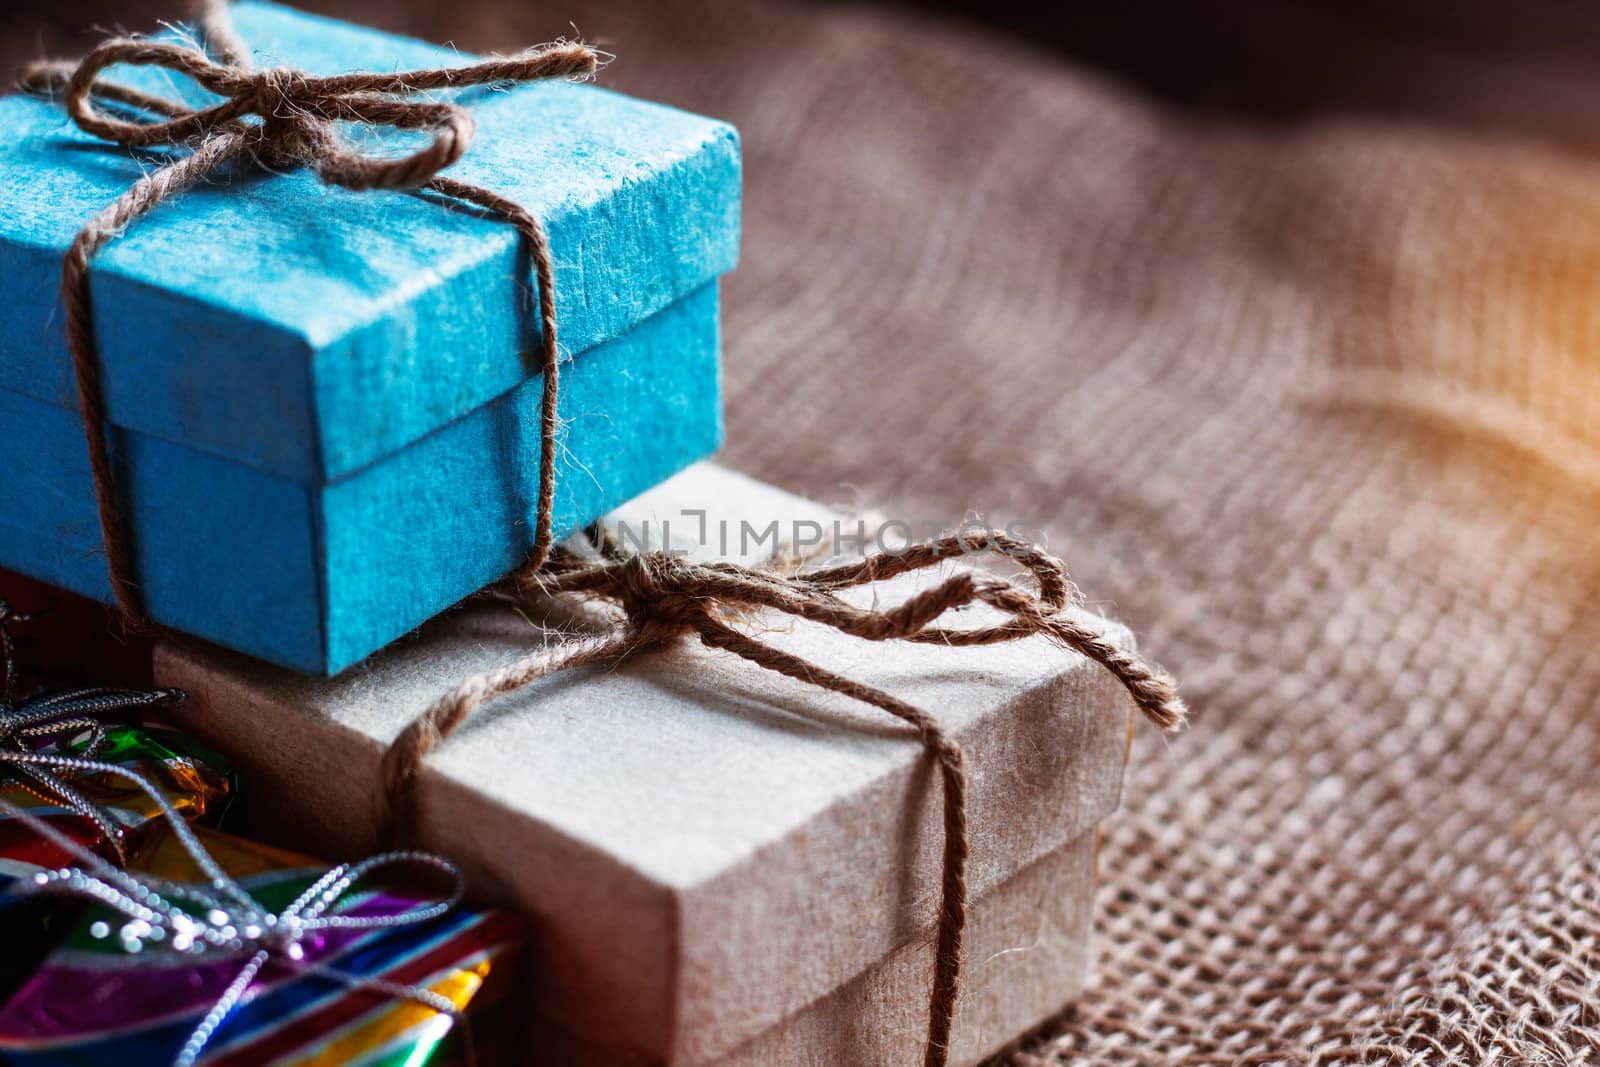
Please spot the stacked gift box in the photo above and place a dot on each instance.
(321, 397)
(324, 420)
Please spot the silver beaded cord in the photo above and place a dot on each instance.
(219, 916)
(26, 725)
(63, 718)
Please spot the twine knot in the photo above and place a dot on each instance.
(657, 594)
(281, 98)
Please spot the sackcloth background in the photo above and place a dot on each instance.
(1308, 396)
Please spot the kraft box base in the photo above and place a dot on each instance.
(1028, 955)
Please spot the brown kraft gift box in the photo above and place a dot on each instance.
(722, 866)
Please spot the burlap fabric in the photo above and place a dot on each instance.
(1316, 410)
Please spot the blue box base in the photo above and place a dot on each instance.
(316, 577)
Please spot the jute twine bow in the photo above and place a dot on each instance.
(28, 725)
(220, 919)
(661, 598)
(283, 118)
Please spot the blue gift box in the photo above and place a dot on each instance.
(323, 411)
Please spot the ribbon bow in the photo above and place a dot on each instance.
(658, 597)
(294, 123)
(220, 917)
(296, 111)
(40, 719)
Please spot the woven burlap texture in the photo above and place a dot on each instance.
(1316, 409)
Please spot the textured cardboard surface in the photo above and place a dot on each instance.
(706, 849)
(309, 331)
(317, 577)
(1028, 953)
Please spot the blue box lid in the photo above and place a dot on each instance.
(309, 331)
